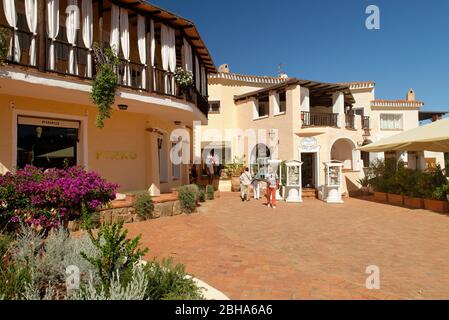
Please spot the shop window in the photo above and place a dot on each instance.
(41, 144)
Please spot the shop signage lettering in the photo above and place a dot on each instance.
(116, 155)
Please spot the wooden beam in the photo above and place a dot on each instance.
(149, 69)
(42, 53)
(130, 5)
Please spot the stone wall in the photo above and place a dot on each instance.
(128, 214)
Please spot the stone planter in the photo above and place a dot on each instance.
(380, 196)
(395, 199)
(413, 203)
(436, 205)
(131, 198)
(235, 184)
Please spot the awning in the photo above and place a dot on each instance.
(431, 137)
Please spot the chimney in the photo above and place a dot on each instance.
(411, 95)
(224, 68)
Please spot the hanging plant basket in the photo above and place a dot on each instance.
(183, 78)
(105, 84)
(5, 36)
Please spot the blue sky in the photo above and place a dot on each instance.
(326, 40)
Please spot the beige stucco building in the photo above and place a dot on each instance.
(310, 121)
(47, 117)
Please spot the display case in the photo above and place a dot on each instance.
(333, 171)
(293, 187)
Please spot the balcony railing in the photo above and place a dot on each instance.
(349, 121)
(164, 82)
(22, 54)
(61, 59)
(312, 119)
(136, 79)
(365, 123)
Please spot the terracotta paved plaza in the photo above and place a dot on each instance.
(307, 251)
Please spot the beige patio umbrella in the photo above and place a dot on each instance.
(431, 137)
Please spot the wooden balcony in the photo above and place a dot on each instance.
(366, 123)
(131, 74)
(350, 121)
(313, 119)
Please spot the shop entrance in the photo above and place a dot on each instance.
(308, 170)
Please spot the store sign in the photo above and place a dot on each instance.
(47, 122)
(309, 144)
(116, 155)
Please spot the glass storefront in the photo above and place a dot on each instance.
(47, 143)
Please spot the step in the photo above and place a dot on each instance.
(308, 193)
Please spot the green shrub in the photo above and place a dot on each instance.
(144, 205)
(441, 193)
(5, 36)
(169, 282)
(210, 192)
(201, 195)
(116, 253)
(188, 198)
(13, 280)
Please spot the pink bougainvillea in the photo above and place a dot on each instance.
(45, 198)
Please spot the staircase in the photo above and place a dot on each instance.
(309, 193)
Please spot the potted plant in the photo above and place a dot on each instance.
(235, 169)
(378, 179)
(364, 186)
(396, 199)
(439, 201)
(412, 201)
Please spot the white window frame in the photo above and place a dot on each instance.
(83, 130)
(256, 114)
(393, 128)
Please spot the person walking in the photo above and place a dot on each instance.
(272, 180)
(210, 166)
(256, 188)
(245, 181)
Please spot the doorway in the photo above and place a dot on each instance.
(308, 170)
